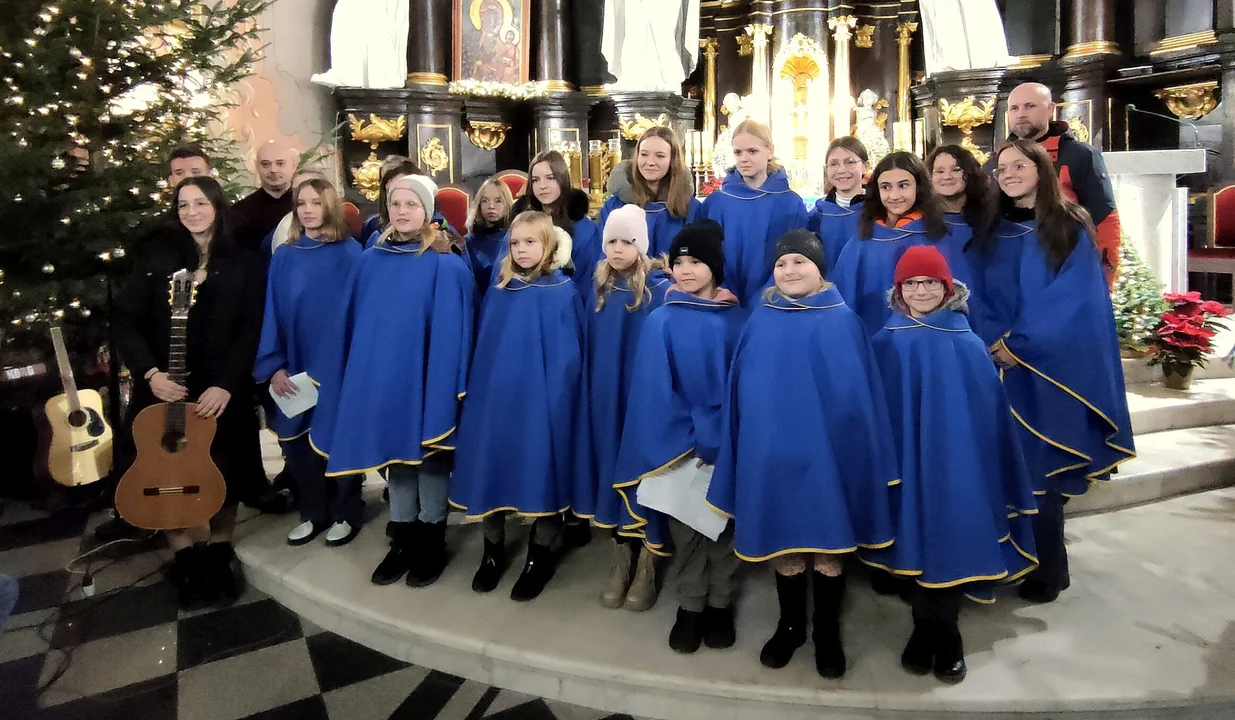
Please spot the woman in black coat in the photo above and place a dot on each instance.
(223, 330)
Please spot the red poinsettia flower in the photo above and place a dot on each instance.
(1213, 307)
(1189, 297)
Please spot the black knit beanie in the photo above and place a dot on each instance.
(701, 240)
(804, 243)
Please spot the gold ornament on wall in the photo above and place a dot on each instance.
(433, 156)
(966, 114)
(633, 129)
(745, 49)
(1077, 126)
(1190, 102)
(977, 152)
(864, 36)
(367, 179)
(487, 135)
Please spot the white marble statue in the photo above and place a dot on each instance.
(650, 45)
(368, 44)
(962, 35)
(868, 131)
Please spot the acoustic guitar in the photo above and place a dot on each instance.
(80, 448)
(173, 484)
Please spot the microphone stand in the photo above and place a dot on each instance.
(1196, 135)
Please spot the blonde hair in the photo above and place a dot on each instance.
(542, 226)
(426, 233)
(763, 134)
(474, 215)
(606, 278)
(676, 187)
(334, 224)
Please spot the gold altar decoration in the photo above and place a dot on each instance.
(977, 152)
(1190, 102)
(864, 36)
(1078, 128)
(634, 128)
(709, 46)
(1088, 49)
(745, 48)
(601, 159)
(433, 156)
(487, 135)
(513, 91)
(901, 132)
(367, 179)
(966, 114)
(799, 108)
(1190, 41)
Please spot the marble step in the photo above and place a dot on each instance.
(1136, 372)
(1169, 463)
(1143, 633)
(1154, 408)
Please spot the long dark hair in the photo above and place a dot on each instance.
(560, 210)
(977, 184)
(407, 167)
(222, 234)
(924, 202)
(1059, 219)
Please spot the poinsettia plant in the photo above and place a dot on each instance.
(1185, 333)
(710, 186)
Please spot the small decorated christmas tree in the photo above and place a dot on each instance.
(1137, 298)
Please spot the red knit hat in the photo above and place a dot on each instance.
(923, 261)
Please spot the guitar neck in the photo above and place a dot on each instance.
(177, 371)
(66, 369)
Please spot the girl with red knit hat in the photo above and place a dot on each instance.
(962, 509)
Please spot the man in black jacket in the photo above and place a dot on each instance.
(260, 211)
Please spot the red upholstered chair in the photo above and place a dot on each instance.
(351, 215)
(1218, 256)
(453, 202)
(515, 180)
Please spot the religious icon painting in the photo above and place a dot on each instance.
(491, 40)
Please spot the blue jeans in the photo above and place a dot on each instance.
(8, 597)
(418, 492)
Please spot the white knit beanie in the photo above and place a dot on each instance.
(423, 186)
(628, 222)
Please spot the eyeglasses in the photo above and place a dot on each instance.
(947, 172)
(848, 163)
(1018, 167)
(928, 283)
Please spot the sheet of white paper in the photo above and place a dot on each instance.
(681, 491)
(304, 399)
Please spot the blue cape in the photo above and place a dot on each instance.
(994, 278)
(806, 459)
(524, 443)
(674, 408)
(964, 503)
(305, 322)
(662, 227)
(483, 250)
(612, 337)
(835, 226)
(405, 368)
(1068, 391)
(866, 268)
(753, 221)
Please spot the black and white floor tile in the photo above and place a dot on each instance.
(128, 653)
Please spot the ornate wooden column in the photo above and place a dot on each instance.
(842, 95)
(551, 44)
(710, 107)
(760, 72)
(1089, 28)
(428, 44)
(902, 129)
(1090, 58)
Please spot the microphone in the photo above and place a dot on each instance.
(1196, 135)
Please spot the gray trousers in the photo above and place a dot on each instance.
(544, 529)
(706, 568)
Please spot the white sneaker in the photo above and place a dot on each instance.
(302, 533)
(341, 533)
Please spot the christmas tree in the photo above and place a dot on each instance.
(1137, 299)
(98, 94)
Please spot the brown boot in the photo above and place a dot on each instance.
(642, 593)
(619, 575)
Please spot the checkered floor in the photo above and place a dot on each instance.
(129, 653)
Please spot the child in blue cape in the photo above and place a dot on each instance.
(524, 441)
(658, 181)
(305, 323)
(835, 215)
(628, 287)
(403, 376)
(486, 229)
(755, 206)
(1055, 341)
(673, 417)
(806, 458)
(899, 212)
(965, 502)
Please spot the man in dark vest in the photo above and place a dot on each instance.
(1082, 172)
(259, 212)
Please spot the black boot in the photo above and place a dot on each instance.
(187, 575)
(919, 652)
(429, 559)
(718, 629)
(687, 632)
(537, 572)
(949, 650)
(577, 533)
(791, 630)
(402, 541)
(222, 569)
(829, 652)
(492, 565)
(1035, 591)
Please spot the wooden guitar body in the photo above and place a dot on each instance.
(174, 483)
(80, 450)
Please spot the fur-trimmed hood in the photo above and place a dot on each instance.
(577, 205)
(565, 244)
(959, 301)
(619, 182)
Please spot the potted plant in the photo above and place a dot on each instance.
(1184, 336)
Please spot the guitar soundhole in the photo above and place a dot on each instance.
(78, 418)
(173, 441)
